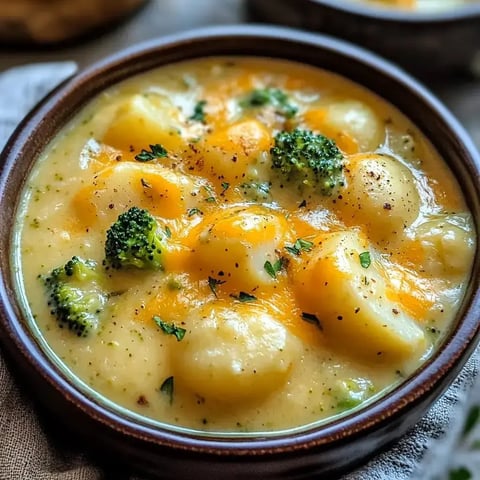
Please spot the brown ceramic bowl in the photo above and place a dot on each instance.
(423, 42)
(169, 452)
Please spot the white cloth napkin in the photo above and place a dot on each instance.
(428, 452)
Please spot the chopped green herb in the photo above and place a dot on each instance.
(244, 297)
(199, 112)
(256, 191)
(275, 97)
(167, 388)
(213, 284)
(116, 293)
(156, 151)
(461, 473)
(225, 186)
(304, 245)
(365, 259)
(299, 246)
(194, 211)
(168, 232)
(273, 269)
(313, 319)
(211, 194)
(169, 328)
(269, 269)
(472, 419)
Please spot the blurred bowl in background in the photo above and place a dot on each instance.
(425, 42)
(44, 22)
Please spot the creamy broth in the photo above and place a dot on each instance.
(420, 5)
(295, 303)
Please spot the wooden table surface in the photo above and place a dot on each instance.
(161, 17)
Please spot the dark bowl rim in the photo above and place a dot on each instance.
(396, 15)
(453, 353)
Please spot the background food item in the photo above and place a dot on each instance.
(52, 21)
(428, 5)
(434, 39)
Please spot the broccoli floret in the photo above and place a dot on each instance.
(312, 160)
(135, 240)
(75, 297)
(275, 97)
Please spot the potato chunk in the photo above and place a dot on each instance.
(351, 303)
(234, 353)
(381, 195)
(160, 190)
(358, 121)
(141, 121)
(237, 242)
(229, 153)
(447, 245)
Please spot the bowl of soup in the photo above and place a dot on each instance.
(428, 37)
(240, 251)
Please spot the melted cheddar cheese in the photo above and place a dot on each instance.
(294, 303)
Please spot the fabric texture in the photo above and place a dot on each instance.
(30, 450)
(27, 451)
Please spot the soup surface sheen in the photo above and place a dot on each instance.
(286, 292)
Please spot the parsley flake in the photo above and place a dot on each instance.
(167, 388)
(244, 297)
(299, 246)
(273, 269)
(194, 211)
(225, 186)
(213, 284)
(275, 97)
(365, 259)
(156, 151)
(199, 112)
(168, 232)
(169, 328)
(211, 194)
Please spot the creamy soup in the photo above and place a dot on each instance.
(421, 5)
(257, 245)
